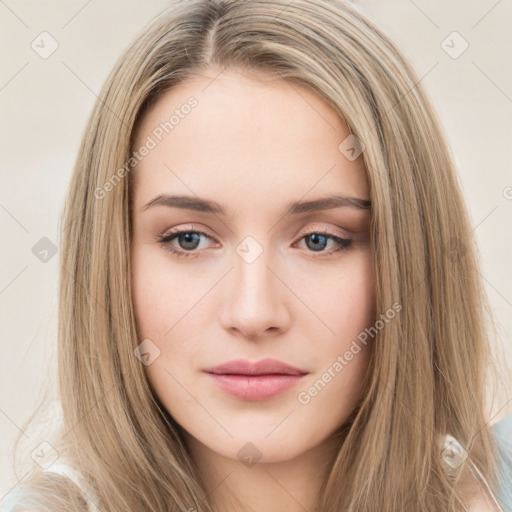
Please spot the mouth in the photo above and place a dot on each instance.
(255, 381)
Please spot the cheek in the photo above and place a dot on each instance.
(344, 302)
(162, 297)
(355, 306)
(166, 306)
(343, 353)
(161, 316)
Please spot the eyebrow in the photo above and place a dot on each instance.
(209, 206)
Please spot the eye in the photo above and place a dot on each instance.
(317, 241)
(189, 240)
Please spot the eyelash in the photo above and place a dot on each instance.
(165, 241)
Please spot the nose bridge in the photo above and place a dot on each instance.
(254, 301)
(252, 269)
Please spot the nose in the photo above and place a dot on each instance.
(255, 299)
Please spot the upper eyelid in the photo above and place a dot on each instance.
(303, 232)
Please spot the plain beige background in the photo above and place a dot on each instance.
(45, 103)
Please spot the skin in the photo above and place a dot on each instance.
(253, 144)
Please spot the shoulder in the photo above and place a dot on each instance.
(502, 434)
(20, 499)
(47, 489)
(474, 487)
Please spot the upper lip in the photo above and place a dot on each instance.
(263, 367)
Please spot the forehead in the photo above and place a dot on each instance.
(244, 139)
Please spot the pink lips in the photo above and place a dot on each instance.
(255, 381)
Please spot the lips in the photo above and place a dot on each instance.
(264, 367)
(255, 381)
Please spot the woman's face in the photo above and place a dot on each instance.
(250, 277)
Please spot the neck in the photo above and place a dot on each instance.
(293, 485)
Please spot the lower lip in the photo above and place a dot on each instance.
(255, 387)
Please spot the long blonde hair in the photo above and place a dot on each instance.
(428, 371)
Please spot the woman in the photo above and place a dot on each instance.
(269, 288)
